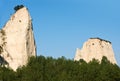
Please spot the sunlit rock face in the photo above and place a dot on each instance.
(95, 48)
(17, 42)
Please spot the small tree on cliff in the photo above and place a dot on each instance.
(18, 7)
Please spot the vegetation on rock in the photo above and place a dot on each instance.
(101, 39)
(18, 7)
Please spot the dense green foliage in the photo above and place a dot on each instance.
(49, 69)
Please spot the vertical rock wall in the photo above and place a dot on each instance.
(17, 40)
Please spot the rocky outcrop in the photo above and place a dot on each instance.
(17, 42)
(95, 48)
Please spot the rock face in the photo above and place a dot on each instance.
(95, 48)
(17, 42)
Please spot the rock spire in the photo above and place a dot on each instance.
(17, 42)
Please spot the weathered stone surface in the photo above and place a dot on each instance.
(95, 48)
(17, 42)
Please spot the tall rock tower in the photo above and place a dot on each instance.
(95, 48)
(17, 42)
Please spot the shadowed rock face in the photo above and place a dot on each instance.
(17, 42)
(95, 48)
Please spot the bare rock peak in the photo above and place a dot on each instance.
(95, 48)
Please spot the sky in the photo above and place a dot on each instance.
(61, 26)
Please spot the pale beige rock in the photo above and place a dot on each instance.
(95, 48)
(17, 40)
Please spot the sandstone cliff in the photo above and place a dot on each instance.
(17, 42)
(95, 48)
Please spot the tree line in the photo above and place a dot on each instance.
(42, 68)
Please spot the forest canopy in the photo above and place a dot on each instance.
(42, 68)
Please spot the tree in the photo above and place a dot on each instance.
(42, 68)
(18, 7)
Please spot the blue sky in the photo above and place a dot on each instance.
(61, 26)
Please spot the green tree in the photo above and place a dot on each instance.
(18, 7)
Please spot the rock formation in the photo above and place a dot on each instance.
(17, 42)
(95, 48)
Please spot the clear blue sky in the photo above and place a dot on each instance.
(61, 26)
